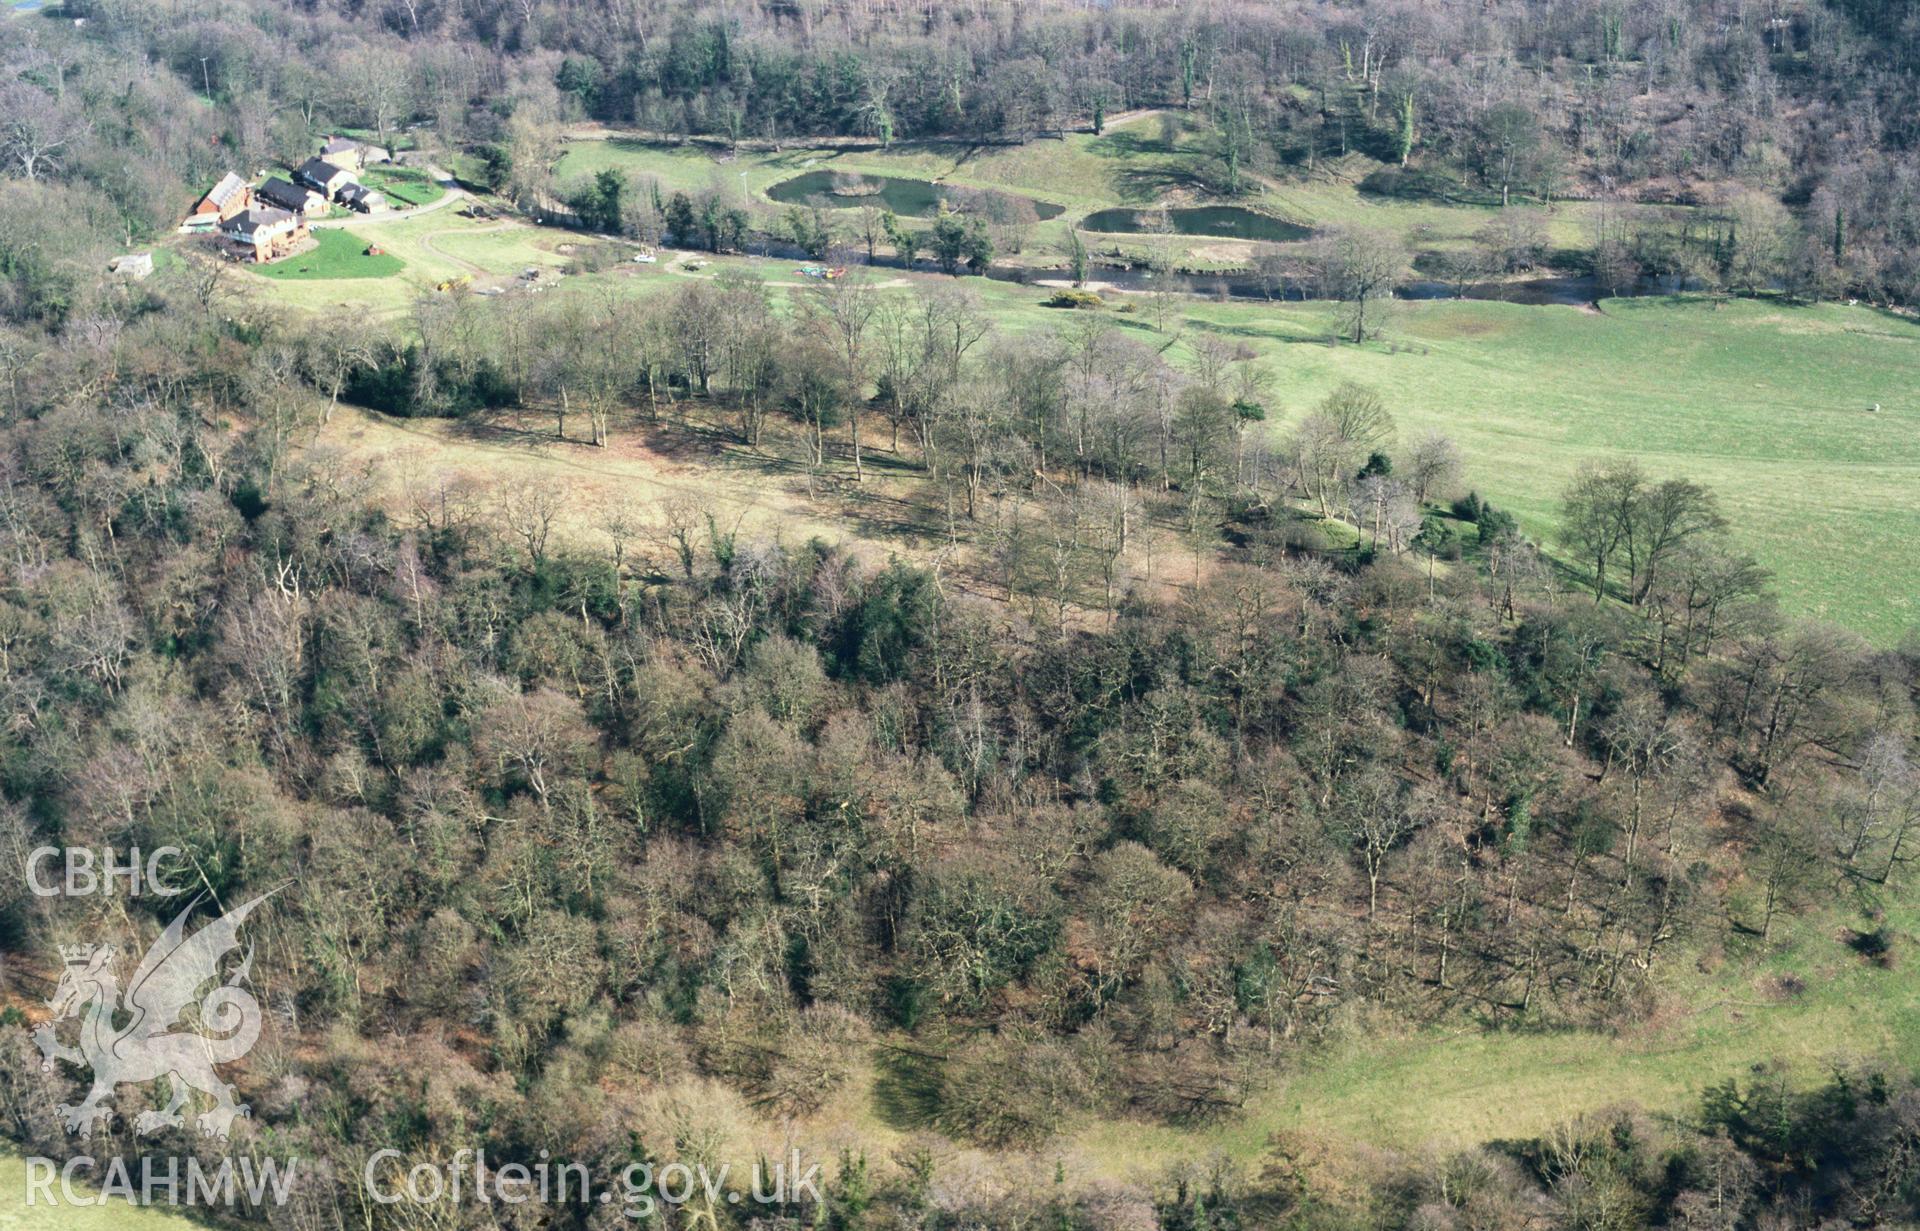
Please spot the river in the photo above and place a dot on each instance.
(1547, 289)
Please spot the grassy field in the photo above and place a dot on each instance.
(404, 185)
(338, 256)
(430, 250)
(1766, 403)
(742, 487)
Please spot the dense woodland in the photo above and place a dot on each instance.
(609, 830)
(616, 833)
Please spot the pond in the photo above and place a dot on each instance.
(1218, 221)
(907, 197)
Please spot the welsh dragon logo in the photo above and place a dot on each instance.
(149, 1045)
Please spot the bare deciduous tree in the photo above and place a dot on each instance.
(1335, 439)
(526, 509)
(37, 129)
(1360, 267)
(1432, 466)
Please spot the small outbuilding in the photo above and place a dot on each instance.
(362, 198)
(133, 265)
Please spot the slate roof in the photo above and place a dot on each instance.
(224, 191)
(319, 171)
(284, 193)
(254, 222)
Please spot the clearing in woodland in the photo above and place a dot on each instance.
(1768, 404)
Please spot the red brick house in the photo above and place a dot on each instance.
(228, 197)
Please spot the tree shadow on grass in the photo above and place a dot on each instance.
(1126, 143)
(1140, 184)
(528, 426)
(1264, 334)
(906, 1089)
(1149, 167)
(639, 145)
(1892, 316)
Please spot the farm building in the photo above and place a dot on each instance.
(352, 155)
(228, 197)
(362, 198)
(323, 177)
(133, 265)
(292, 197)
(261, 235)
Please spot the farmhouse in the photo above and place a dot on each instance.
(228, 197)
(351, 155)
(261, 235)
(323, 177)
(284, 194)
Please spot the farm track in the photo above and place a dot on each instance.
(680, 270)
(426, 241)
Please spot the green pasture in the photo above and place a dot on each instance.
(338, 255)
(406, 186)
(16, 1215)
(429, 250)
(1765, 402)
